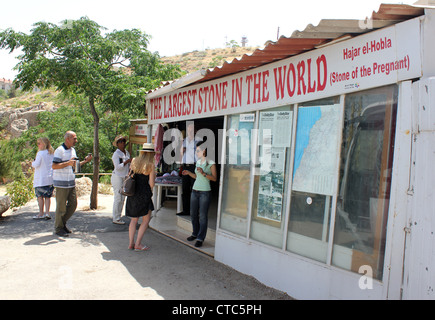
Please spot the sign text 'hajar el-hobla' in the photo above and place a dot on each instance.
(378, 58)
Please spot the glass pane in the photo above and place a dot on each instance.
(365, 178)
(271, 175)
(237, 169)
(314, 172)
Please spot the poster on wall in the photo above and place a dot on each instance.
(274, 139)
(271, 187)
(275, 125)
(316, 149)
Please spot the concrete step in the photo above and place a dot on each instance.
(183, 222)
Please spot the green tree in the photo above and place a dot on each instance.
(233, 45)
(216, 61)
(77, 57)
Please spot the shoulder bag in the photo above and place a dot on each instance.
(129, 185)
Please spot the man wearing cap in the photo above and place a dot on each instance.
(121, 162)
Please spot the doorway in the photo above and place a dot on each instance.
(179, 227)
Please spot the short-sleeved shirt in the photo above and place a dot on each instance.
(65, 177)
(201, 182)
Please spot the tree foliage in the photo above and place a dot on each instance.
(79, 57)
(53, 125)
(20, 191)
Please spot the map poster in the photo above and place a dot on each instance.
(316, 149)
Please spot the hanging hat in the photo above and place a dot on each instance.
(119, 137)
(147, 147)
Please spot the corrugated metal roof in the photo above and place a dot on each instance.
(328, 30)
(314, 36)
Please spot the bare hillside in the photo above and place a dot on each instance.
(189, 62)
(196, 60)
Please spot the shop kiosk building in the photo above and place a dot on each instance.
(326, 184)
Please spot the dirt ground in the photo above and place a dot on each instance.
(94, 262)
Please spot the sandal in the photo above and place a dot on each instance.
(38, 217)
(131, 247)
(142, 248)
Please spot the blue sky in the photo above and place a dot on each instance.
(178, 26)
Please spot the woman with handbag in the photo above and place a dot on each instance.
(141, 204)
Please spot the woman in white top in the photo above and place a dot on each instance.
(121, 162)
(43, 177)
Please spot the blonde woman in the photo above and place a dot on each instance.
(43, 177)
(141, 203)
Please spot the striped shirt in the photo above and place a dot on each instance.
(65, 177)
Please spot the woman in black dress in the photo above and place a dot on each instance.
(141, 203)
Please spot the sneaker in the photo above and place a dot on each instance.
(120, 222)
(67, 230)
(62, 233)
(198, 244)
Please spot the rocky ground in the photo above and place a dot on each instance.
(18, 120)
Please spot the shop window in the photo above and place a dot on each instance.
(271, 176)
(365, 180)
(237, 173)
(314, 177)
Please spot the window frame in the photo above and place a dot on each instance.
(289, 181)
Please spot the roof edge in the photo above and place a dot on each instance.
(327, 32)
(179, 83)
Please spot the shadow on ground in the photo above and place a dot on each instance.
(172, 269)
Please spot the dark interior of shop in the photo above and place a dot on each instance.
(215, 124)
